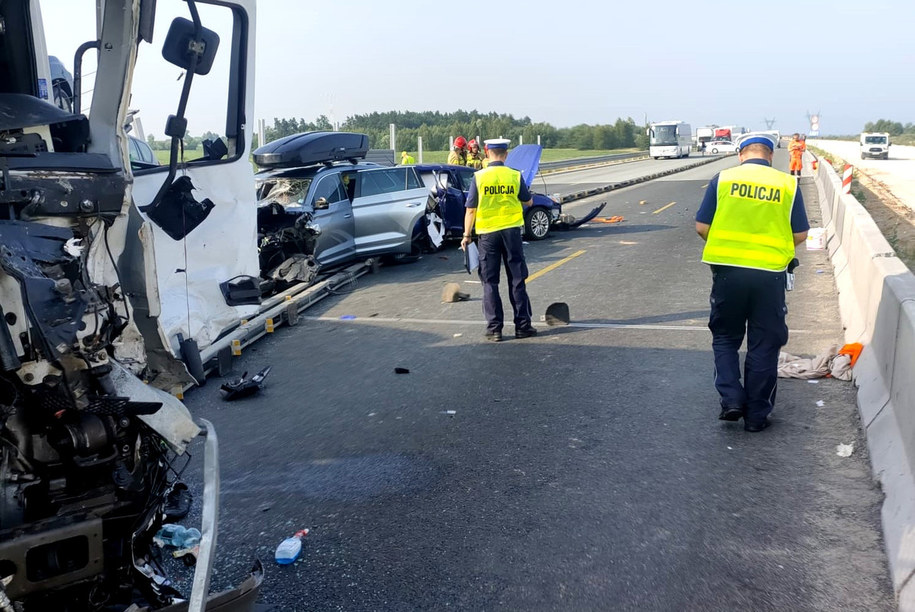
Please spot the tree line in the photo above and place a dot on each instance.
(437, 128)
(893, 128)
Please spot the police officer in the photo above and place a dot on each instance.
(751, 218)
(406, 159)
(495, 208)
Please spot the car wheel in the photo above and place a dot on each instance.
(537, 224)
(714, 151)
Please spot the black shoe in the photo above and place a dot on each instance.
(730, 414)
(527, 332)
(755, 427)
(493, 336)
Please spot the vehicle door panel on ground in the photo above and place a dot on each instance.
(388, 202)
(333, 213)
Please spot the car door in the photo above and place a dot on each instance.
(387, 205)
(333, 214)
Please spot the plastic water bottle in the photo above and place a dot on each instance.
(290, 548)
(178, 536)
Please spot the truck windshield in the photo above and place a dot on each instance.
(664, 135)
(875, 140)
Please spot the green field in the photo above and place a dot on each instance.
(162, 155)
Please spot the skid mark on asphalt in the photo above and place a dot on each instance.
(553, 266)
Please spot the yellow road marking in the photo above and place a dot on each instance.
(553, 266)
(663, 208)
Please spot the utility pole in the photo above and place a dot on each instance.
(770, 123)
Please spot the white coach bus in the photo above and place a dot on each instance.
(669, 139)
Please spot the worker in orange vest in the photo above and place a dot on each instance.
(796, 150)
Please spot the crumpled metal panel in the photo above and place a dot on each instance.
(173, 421)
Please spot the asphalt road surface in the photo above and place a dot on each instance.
(573, 181)
(584, 469)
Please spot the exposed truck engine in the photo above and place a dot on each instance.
(90, 455)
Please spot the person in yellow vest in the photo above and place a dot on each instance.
(475, 157)
(406, 159)
(751, 218)
(458, 155)
(495, 209)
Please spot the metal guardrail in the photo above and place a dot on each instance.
(584, 161)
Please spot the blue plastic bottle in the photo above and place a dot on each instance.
(178, 536)
(290, 548)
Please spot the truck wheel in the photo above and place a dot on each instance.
(537, 224)
(862, 156)
(886, 156)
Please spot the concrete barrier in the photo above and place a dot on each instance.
(877, 305)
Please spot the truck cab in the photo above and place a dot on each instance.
(875, 145)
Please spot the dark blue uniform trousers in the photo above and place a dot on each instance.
(750, 302)
(496, 248)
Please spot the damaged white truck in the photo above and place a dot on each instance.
(108, 273)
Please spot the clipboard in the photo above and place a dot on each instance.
(471, 258)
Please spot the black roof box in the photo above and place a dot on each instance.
(311, 148)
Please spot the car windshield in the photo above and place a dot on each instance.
(664, 135)
(283, 191)
(875, 140)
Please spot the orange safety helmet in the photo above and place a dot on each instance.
(460, 142)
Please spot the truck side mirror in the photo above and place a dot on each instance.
(182, 45)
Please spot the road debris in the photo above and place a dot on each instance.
(831, 362)
(557, 313)
(845, 450)
(243, 387)
(456, 335)
(613, 219)
(401, 371)
(451, 293)
(449, 412)
(290, 548)
(820, 403)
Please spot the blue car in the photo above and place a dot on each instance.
(450, 184)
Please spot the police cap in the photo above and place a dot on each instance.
(497, 143)
(756, 138)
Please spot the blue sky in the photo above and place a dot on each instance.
(575, 62)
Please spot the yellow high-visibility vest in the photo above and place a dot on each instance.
(752, 223)
(498, 206)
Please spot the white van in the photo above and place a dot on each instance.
(875, 144)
